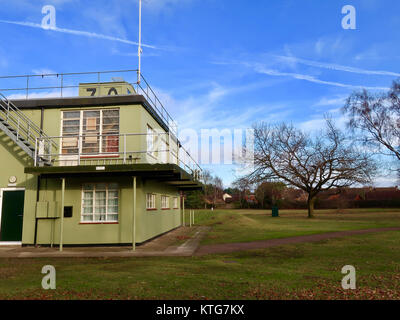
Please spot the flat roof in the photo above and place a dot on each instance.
(170, 173)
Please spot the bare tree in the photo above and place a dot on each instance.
(218, 189)
(311, 163)
(377, 116)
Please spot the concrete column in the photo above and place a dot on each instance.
(62, 213)
(183, 209)
(134, 216)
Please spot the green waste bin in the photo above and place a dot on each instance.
(275, 211)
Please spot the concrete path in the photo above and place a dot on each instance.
(241, 246)
(151, 249)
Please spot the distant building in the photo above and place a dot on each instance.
(227, 197)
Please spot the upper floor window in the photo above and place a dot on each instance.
(151, 140)
(98, 129)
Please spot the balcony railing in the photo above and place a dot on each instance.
(63, 85)
(114, 149)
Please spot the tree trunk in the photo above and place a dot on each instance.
(310, 206)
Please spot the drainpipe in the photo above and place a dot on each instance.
(62, 213)
(134, 216)
(37, 200)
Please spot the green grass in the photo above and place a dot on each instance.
(252, 225)
(305, 271)
(296, 271)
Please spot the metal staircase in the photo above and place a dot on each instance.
(21, 130)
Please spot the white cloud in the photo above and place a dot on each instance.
(158, 5)
(337, 100)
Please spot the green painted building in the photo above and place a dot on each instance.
(102, 168)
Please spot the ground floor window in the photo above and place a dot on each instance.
(164, 202)
(175, 202)
(151, 201)
(100, 202)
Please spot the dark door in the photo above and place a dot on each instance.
(12, 215)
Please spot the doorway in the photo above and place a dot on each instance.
(11, 214)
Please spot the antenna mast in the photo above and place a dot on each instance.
(140, 41)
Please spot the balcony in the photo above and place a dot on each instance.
(114, 149)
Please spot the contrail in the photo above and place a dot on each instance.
(77, 32)
(337, 67)
(312, 79)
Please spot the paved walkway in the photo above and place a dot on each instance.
(241, 246)
(155, 248)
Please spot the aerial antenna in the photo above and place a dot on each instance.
(140, 41)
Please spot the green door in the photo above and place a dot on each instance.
(12, 215)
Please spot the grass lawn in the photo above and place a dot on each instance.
(296, 271)
(252, 225)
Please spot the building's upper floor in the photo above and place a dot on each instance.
(94, 123)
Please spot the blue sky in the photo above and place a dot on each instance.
(218, 63)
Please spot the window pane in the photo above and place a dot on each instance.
(88, 187)
(71, 114)
(110, 130)
(90, 132)
(113, 186)
(87, 218)
(88, 202)
(87, 210)
(112, 217)
(99, 217)
(88, 195)
(112, 194)
(101, 186)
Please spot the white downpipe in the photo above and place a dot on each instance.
(62, 213)
(134, 216)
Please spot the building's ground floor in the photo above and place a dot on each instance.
(87, 207)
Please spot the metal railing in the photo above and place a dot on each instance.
(63, 85)
(23, 128)
(113, 149)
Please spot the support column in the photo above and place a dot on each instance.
(190, 218)
(62, 213)
(134, 216)
(183, 209)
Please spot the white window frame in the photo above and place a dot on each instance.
(100, 153)
(165, 202)
(94, 204)
(150, 141)
(151, 203)
(176, 206)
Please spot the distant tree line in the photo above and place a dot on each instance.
(287, 158)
